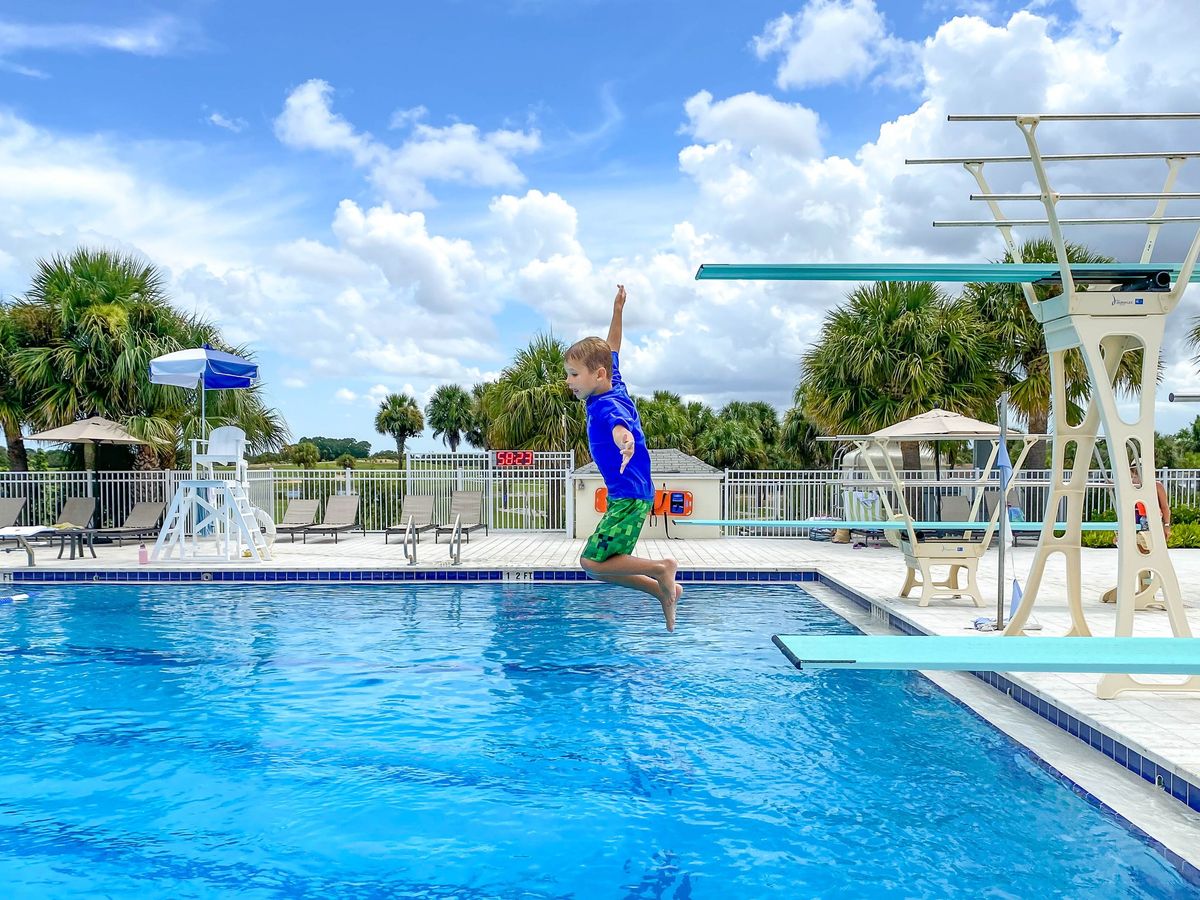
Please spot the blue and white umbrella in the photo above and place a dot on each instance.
(203, 369)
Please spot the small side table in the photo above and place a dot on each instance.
(78, 539)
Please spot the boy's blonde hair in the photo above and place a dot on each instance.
(592, 353)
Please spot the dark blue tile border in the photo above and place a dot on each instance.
(362, 576)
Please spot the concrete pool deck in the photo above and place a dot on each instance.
(1160, 727)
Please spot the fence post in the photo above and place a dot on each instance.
(569, 489)
(488, 490)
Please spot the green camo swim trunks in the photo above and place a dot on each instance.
(618, 530)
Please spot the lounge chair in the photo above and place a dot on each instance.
(956, 508)
(76, 513)
(417, 509)
(862, 507)
(10, 510)
(299, 515)
(466, 509)
(341, 511)
(143, 521)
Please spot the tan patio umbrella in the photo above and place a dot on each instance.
(939, 424)
(89, 432)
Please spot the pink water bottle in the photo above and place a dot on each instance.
(143, 556)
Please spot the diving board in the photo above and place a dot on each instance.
(1120, 655)
(893, 525)
(1155, 276)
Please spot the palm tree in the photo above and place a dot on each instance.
(664, 421)
(757, 413)
(13, 403)
(893, 351)
(529, 406)
(476, 434)
(449, 413)
(1023, 361)
(400, 417)
(798, 437)
(95, 320)
(732, 444)
(700, 417)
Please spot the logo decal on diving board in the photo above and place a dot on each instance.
(1129, 301)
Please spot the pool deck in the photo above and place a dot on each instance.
(1161, 727)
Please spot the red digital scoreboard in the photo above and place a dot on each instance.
(512, 459)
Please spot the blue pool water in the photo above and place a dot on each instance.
(490, 741)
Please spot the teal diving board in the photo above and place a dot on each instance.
(1150, 274)
(1128, 655)
(890, 525)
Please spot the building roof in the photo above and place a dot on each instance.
(665, 462)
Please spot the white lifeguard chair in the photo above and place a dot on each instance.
(211, 516)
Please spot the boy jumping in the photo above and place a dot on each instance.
(619, 448)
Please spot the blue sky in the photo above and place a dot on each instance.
(384, 196)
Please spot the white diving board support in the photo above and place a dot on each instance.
(211, 519)
(1120, 655)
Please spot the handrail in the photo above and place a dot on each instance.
(456, 542)
(1123, 195)
(1052, 157)
(1103, 220)
(1074, 117)
(410, 538)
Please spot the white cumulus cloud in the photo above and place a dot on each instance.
(454, 153)
(830, 41)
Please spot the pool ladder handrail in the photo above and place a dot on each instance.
(456, 542)
(410, 540)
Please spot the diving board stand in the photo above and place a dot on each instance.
(1104, 324)
(1105, 314)
(1115, 655)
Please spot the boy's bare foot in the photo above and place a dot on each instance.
(670, 592)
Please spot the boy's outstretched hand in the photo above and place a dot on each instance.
(624, 438)
(619, 300)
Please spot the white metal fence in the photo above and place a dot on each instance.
(801, 495)
(529, 497)
(531, 494)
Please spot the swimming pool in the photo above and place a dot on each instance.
(488, 740)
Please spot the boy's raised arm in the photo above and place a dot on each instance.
(614, 327)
